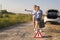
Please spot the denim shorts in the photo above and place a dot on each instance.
(37, 19)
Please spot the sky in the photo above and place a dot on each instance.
(18, 6)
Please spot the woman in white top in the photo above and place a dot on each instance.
(37, 15)
(33, 12)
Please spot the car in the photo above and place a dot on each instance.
(52, 15)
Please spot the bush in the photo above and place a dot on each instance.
(10, 19)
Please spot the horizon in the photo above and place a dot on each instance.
(18, 6)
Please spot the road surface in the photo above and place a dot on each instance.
(25, 31)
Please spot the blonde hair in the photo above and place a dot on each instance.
(35, 7)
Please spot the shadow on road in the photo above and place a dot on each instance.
(55, 23)
(47, 36)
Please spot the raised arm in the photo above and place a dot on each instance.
(28, 10)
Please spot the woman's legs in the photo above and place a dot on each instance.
(36, 24)
(33, 22)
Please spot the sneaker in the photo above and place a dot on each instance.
(34, 29)
(40, 30)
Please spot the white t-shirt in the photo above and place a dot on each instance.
(37, 14)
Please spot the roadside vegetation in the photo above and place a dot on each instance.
(9, 18)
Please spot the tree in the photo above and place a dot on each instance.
(4, 11)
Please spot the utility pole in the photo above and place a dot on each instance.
(0, 7)
(0, 10)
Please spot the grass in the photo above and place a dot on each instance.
(12, 19)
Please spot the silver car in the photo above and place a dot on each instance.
(52, 16)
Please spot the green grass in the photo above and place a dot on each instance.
(12, 19)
